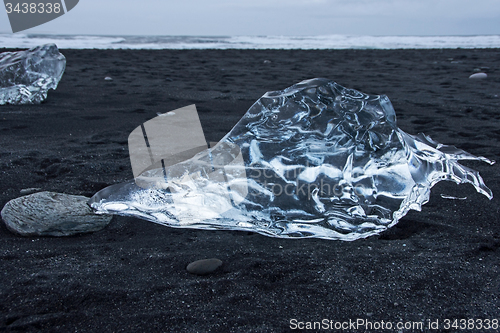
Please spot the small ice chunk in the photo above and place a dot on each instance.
(171, 113)
(26, 76)
(29, 190)
(446, 196)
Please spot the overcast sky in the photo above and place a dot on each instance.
(275, 17)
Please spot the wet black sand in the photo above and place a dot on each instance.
(441, 263)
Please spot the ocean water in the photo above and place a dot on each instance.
(250, 42)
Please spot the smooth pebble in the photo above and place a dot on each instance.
(204, 266)
(478, 76)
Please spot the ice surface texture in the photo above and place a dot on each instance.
(26, 76)
(313, 160)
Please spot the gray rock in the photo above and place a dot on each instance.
(204, 266)
(52, 214)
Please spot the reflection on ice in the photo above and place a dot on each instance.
(313, 160)
(26, 76)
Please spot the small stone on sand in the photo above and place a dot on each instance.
(107, 78)
(52, 214)
(204, 266)
(478, 76)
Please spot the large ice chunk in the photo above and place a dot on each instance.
(313, 160)
(26, 76)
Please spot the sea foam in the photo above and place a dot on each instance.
(250, 42)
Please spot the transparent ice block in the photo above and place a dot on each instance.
(26, 76)
(313, 160)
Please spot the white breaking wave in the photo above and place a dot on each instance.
(250, 42)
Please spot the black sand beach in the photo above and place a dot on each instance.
(437, 264)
